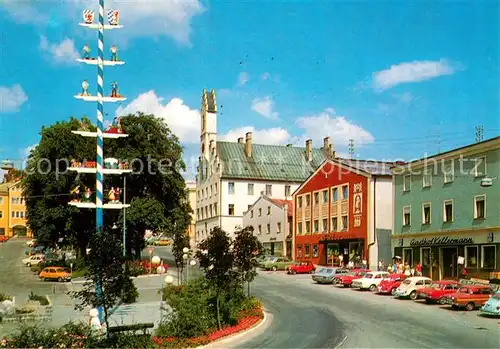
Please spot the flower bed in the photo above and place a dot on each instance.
(246, 320)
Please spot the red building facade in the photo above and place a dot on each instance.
(331, 216)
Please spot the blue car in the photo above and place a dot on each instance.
(492, 306)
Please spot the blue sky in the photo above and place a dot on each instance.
(400, 79)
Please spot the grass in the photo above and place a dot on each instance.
(79, 273)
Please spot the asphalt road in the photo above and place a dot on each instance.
(307, 315)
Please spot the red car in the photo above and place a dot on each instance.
(469, 297)
(301, 268)
(436, 292)
(3, 238)
(347, 279)
(390, 284)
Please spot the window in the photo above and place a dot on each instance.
(231, 209)
(448, 172)
(269, 228)
(325, 196)
(268, 210)
(15, 201)
(1, 214)
(278, 227)
(230, 187)
(335, 194)
(13, 214)
(249, 207)
(480, 207)
(344, 223)
(1, 201)
(299, 202)
(407, 216)
(316, 199)
(407, 183)
(426, 213)
(288, 190)
(260, 212)
(334, 224)
(250, 189)
(488, 257)
(325, 225)
(345, 192)
(260, 229)
(299, 251)
(269, 189)
(216, 188)
(480, 166)
(307, 253)
(308, 227)
(471, 254)
(408, 256)
(299, 228)
(427, 179)
(315, 250)
(251, 214)
(216, 212)
(316, 226)
(448, 211)
(308, 200)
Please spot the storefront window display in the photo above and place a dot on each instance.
(471, 254)
(356, 250)
(299, 251)
(307, 253)
(315, 251)
(333, 251)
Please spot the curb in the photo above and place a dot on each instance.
(79, 281)
(236, 335)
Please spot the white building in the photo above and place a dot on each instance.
(231, 175)
(272, 221)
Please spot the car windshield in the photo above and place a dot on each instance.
(273, 260)
(463, 290)
(320, 270)
(407, 282)
(328, 271)
(436, 286)
(496, 296)
(368, 275)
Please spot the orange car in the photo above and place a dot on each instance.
(469, 297)
(55, 273)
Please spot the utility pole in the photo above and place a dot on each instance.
(351, 148)
(124, 215)
(479, 133)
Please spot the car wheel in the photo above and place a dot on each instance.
(372, 288)
(441, 301)
(470, 306)
(312, 271)
(413, 295)
(428, 301)
(28, 265)
(393, 292)
(294, 272)
(59, 279)
(274, 268)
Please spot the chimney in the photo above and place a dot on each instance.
(309, 150)
(332, 152)
(240, 140)
(326, 147)
(248, 145)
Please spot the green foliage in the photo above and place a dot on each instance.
(5, 297)
(41, 299)
(246, 251)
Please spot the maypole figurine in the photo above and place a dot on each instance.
(75, 194)
(116, 126)
(112, 195)
(87, 195)
(84, 126)
(85, 87)
(117, 195)
(86, 52)
(114, 51)
(114, 89)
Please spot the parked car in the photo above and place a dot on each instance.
(55, 273)
(370, 281)
(346, 279)
(4, 238)
(301, 268)
(410, 287)
(389, 284)
(437, 290)
(276, 263)
(469, 297)
(492, 306)
(162, 242)
(326, 275)
(33, 260)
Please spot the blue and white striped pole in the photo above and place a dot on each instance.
(100, 130)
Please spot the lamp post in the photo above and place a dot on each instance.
(186, 256)
(167, 282)
(155, 260)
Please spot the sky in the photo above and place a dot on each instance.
(401, 79)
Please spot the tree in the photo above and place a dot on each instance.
(106, 271)
(246, 250)
(216, 258)
(179, 222)
(154, 154)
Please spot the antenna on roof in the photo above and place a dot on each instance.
(351, 148)
(479, 133)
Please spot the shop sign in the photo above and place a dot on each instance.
(340, 237)
(441, 241)
(272, 239)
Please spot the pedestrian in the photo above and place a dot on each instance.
(381, 265)
(407, 269)
(418, 269)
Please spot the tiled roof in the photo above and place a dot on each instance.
(268, 162)
(282, 203)
(370, 166)
(4, 187)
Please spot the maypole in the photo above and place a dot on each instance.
(101, 166)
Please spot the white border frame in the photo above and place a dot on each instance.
(409, 207)
(430, 213)
(482, 255)
(452, 210)
(477, 255)
(475, 206)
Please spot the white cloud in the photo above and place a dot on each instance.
(265, 76)
(22, 12)
(26, 151)
(264, 106)
(182, 120)
(63, 52)
(415, 71)
(243, 78)
(11, 98)
(273, 136)
(338, 128)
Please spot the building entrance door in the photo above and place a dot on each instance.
(425, 258)
(449, 265)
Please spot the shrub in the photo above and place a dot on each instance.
(41, 299)
(5, 297)
(129, 292)
(136, 268)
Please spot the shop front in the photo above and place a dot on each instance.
(273, 248)
(332, 249)
(472, 254)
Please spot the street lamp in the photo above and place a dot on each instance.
(167, 282)
(155, 260)
(487, 182)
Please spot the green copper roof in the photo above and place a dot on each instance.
(268, 162)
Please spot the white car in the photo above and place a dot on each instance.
(33, 260)
(370, 280)
(409, 288)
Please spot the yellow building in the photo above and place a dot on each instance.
(12, 210)
(191, 188)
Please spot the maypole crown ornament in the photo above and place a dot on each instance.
(113, 17)
(85, 87)
(88, 16)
